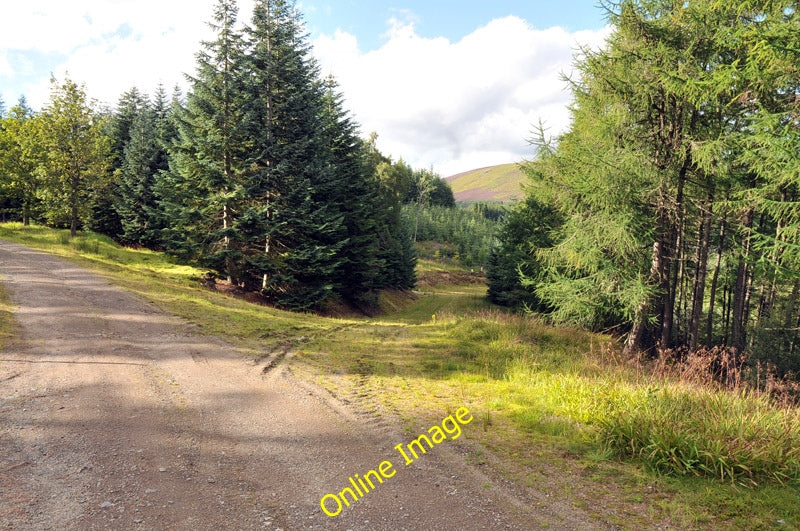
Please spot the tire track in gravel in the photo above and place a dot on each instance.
(114, 415)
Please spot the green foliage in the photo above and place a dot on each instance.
(268, 182)
(208, 157)
(75, 153)
(137, 202)
(127, 207)
(677, 182)
(20, 158)
(293, 246)
(428, 188)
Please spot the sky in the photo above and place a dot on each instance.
(451, 85)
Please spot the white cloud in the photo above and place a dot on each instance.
(109, 45)
(457, 105)
(452, 105)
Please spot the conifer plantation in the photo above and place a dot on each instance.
(258, 173)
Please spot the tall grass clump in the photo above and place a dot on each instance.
(739, 437)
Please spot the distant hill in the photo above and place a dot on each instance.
(495, 183)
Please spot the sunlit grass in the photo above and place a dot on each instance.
(551, 403)
(6, 317)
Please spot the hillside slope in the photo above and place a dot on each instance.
(494, 183)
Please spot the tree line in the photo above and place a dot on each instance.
(257, 173)
(669, 211)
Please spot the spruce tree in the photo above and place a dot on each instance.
(207, 158)
(355, 192)
(514, 269)
(395, 255)
(136, 203)
(394, 233)
(166, 133)
(293, 230)
(105, 199)
(177, 197)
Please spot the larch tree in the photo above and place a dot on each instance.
(677, 180)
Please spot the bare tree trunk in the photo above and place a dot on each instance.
(788, 319)
(227, 242)
(792, 305)
(714, 282)
(674, 263)
(26, 210)
(740, 294)
(701, 266)
(726, 315)
(767, 301)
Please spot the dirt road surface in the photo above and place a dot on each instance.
(114, 415)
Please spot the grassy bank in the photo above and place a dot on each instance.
(554, 409)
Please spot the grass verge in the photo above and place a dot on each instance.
(7, 321)
(553, 410)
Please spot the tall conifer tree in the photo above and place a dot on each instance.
(136, 204)
(293, 227)
(209, 153)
